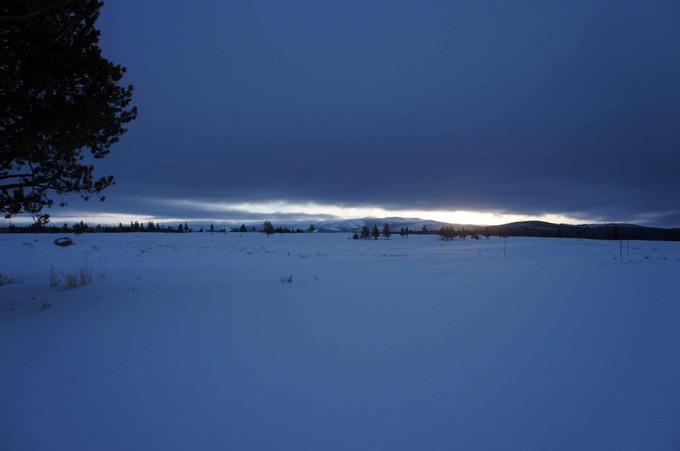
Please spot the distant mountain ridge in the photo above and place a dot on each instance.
(396, 223)
(593, 231)
(523, 228)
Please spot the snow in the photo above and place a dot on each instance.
(198, 341)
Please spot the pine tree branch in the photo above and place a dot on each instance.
(31, 14)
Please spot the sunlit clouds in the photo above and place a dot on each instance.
(206, 212)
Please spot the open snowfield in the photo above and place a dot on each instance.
(200, 342)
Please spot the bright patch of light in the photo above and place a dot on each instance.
(486, 218)
(350, 212)
(235, 213)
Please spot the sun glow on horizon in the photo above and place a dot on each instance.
(308, 210)
(206, 212)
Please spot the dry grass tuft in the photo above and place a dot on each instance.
(72, 280)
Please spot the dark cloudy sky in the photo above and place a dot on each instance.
(520, 107)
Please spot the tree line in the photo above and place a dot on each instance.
(82, 227)
(445, 232)
(374, 233)
(141, 227)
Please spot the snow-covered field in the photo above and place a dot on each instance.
(200, 342)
